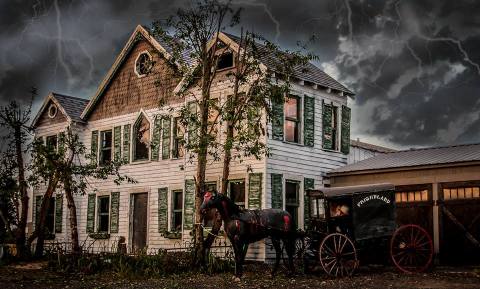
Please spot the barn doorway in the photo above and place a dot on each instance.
(138, 221)
(460, 223)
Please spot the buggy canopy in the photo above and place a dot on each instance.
(350, 190)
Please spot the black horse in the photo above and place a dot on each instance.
(247, 226)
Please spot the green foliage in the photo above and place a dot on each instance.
(128, 266)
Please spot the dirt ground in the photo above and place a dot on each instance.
(256, 276)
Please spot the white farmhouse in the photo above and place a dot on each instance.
(133, 115)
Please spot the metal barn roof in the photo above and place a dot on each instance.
(415, 157)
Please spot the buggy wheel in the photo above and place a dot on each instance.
(411, 249)
(297, 256)
(338, 255)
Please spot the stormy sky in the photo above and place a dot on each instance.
(413, 64)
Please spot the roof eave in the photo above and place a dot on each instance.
(403, 168)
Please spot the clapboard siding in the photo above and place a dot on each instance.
(298, 161)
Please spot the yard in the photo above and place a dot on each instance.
(36, 275)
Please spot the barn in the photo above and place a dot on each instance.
(437, 188)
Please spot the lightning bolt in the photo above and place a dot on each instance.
(267, 11)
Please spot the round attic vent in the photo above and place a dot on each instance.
(52, 110)
(143, 64)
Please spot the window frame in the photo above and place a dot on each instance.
(101, 149)
(99, 214)
(207, 219)
(222, 54)
(51, 213)
(174, 210)
(47, 138)
(138, 73)
(412, 189)
(297, 203)
(229, 191)
(297, 121)
(135, 127)
(177, 140)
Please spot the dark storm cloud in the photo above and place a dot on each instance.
(413, 64)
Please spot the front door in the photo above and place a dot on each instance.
(139, 221)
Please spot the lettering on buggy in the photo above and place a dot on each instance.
(373, 197)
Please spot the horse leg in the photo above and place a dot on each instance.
(290, 248)
(278, 254)
(238, 250)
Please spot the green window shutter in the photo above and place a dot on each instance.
(94, 147)
(255, 190)
(327, 114)
(309, 121)
(345, 142)
(308, 184)
(277, 120)
(192, 129)
(189, 204)
(162, 210)
(58, 213)
(277, 191)
(91, 213)
(61, 141)
(38, 205)
(166, 129)
(126, 143)
(114, 215)
(117, 143)
(157, 129)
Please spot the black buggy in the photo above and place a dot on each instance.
(346, 221)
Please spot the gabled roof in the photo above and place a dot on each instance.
(309, 72)
(370, 147)
(139, 31)
(71, 107)
(415, 158)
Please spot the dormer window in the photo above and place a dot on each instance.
(225, 60)
(143, 64)
(141, 134)
(52, 110)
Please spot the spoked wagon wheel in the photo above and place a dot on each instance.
(411, 249)
(338, 255)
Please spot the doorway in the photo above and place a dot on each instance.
(138, 221)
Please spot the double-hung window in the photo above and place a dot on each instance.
(177, 210)
(210, 215)
(103, 214)
(50, 218)
(236, 191)
(335, 129)
(51, 142)
(292, 119)
(178, 142)
(105, 147)
(291, 198)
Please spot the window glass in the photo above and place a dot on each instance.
(143, 64)
(177, 210)
(237, 192)
(411, 196)
(335, 131)
(103, 213)
(210, 215)
(178, 144)
(292, 119)
(225, 60)
(50, 218)
(461, 193)
(291, 199)
(141, 139)
(51, 142)
(105, 147)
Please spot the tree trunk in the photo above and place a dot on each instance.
(217, 224)
(43, 216)
(20, 233)
(73, 217)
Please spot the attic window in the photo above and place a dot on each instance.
(225, 61)
(52, 110)
(143, 64)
